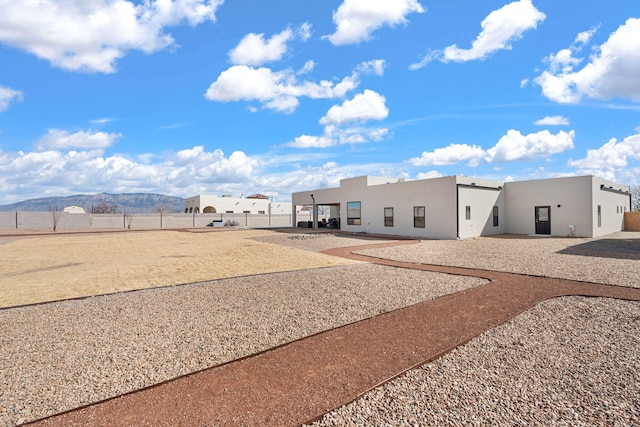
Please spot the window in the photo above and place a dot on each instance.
(418, 217)
(229, 212)
(467, 212)
(599, 216)
(388, 217)
(495, 216)
(260, 212)
(353, 213)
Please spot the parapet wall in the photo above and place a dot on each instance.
(74, 221)
(632, 221)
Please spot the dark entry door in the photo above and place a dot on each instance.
(543, 219)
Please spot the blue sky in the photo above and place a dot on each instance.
(238, 97)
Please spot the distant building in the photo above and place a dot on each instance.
(256, 204)
(75, 209)
(463, 207)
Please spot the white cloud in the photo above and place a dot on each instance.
(189, 171)
(92, 35)
(511, 147)
(368, 105)
(9, 96)
(429, 175)
(323, 175)
(375, 67)
(426, 59)
(358, 135)
(499, 29)
(309, 141)
(362, 108)
(610, 160)
(334, 135)
(584, 37)
(102, 121)
(452, 154)
(57, 139)
(304, 31)
(552, 121)
(307, 68)
(356, 20)
(514, 146)
(277, 90)
(612, 71)
(253, 49)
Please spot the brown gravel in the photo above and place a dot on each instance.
(302, 380)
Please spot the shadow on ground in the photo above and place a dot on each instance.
(606, 248)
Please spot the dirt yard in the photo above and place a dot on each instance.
(53, 267)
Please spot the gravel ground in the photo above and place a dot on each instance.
(568, 361)
(57, 356)
(613, 260)
(571, 361)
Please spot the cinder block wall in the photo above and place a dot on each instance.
(69, 221)
(632, 221)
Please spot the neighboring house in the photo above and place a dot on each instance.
(463, 207)
(74, 209)
(256, 204)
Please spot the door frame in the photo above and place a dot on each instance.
(542, 226)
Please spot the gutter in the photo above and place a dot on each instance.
(615, 190)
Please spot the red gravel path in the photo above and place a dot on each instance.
(300, 381)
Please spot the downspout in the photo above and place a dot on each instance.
(313, 213)
(457, 211)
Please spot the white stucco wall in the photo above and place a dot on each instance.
(437, 195)
(236, 205)
(571, 201)
(609, 196)
(75, 209)
(481, 196)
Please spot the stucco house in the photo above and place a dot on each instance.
(75, 209)
(463, 207)
(256, 204)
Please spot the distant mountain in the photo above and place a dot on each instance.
(132, 202)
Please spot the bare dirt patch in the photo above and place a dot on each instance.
(49, 268)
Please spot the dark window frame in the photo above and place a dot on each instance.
(388, 219)
(419, 217)
(467, 212)
(496, 213)
(354, 214)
